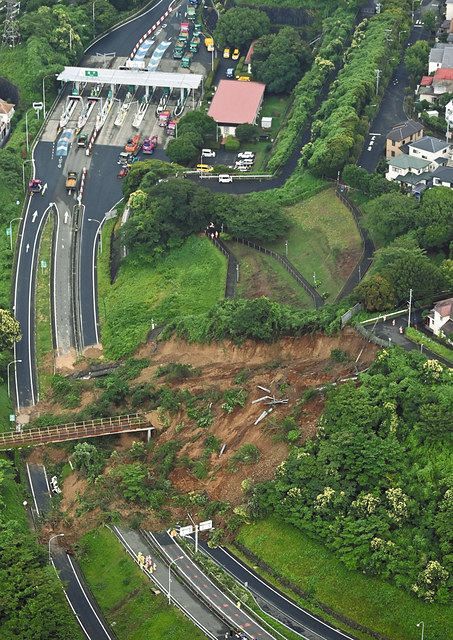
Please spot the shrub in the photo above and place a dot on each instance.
(247, 454)
(175, 371)
(232, 144)
(234, 398)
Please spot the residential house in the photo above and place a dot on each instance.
(432, 149)
(440, 57)
(400, 135)
(440, 319)
(6, 115)
(443, 177)
(409, 170)
(442, 81)
(448, 9)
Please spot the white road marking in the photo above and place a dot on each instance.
(27, 247)
(44, 189)
(66, 216)
(47, 480)
(55, 277)
(34, 216)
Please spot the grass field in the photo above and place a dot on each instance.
(373, 603)
(261, 275)
(6, 407)
(189, 280)
(323, 242)
(432, 345)
(125, 596)
(275, 107)
(44, 345)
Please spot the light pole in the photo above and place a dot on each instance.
(57, 535)
(7, 375)
(11, 231)
(422, 625)
(99, 232)
(94, 20)
(23, 170)
(169, 577)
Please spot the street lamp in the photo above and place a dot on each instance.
(57, 535)
(169, 577)
(7, 375)
(11, 231)
(422, 625)
(99, 232)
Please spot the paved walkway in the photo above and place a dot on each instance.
(181, 595)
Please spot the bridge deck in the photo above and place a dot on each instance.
(74, 431)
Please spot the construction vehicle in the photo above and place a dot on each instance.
(171, 128)
(164, 118)
(194, 44)
(133, 144)
(35, 186)
(191, 13)
(187, 60)
(209, 43)
(178, 50)
(71, 180)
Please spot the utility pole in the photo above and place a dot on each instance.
(409, 310)
(11, 35)
(378, 76)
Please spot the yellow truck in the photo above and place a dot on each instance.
(209, 43)
(71, 181)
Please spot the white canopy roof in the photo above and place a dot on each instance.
(132, 77)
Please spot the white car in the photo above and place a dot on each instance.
(225, 177)
(243, 167)
(245, 163)
(208, 153)
(246, 154)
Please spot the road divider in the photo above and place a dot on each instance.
(151, 30)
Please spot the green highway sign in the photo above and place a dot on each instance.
(91, 73)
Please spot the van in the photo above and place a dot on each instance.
(208, 153)
(230, 73)
(225, 177)
(204, 168)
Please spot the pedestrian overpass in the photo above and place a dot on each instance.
(114, 78)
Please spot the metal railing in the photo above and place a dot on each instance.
(75, 430)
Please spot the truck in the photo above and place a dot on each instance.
(191, 13)
(187, 60)
(71, 180)
(164, 118)
(149, 144)
(194, 44)
(184, 31)
(178, 50)
(171, 128)
(209, 43)
(133, 144)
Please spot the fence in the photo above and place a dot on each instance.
(318, 300)
(232, 270)
(350, 313)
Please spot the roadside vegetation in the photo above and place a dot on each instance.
(44, 343)
(125, 595)
(433, 345)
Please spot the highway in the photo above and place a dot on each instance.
(272, 600)
(77, 594)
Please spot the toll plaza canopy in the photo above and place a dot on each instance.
(133, 77)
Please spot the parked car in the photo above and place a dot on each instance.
(235, 55)
(246, 154)
(245, 163)
(205, 168)
(243, 167)
(230, 73)
(225, 177)
(122, 173)
(82, 140)
(124, 158)
(244, 78)
(208, 153)
(226, 52)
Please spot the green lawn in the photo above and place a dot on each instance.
(378, 605)
(189, 280)
(323, 240)
(261, 275)
(429, 343)
(44, 344)
(125, 594)
(6, 407)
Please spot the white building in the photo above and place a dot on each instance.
(441, 56)
(409, 169)
(6, 115)
(449, 10)
(431, 149)
(440, 319)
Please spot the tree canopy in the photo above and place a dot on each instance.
(9, 330)
(239, 26)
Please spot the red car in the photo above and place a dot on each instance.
(122, 173)
(133, 144)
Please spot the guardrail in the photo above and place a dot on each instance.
(318, 300)
(75, 431)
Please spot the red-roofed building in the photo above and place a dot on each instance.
(443, 74)
(426, 81)
(443, 81)
(236, 102)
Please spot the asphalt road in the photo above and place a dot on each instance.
(207, 590)
(77, 594)
(280, 606)
(391, 111)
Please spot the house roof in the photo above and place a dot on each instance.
(444, 307)
(414, 178)
(447, 327)
(445, 174)
(430, 144)
(407, 162)
(236, 102)
(426, 81)
(404, 130)
(443, 74)
(442, 53)
(5, 107)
